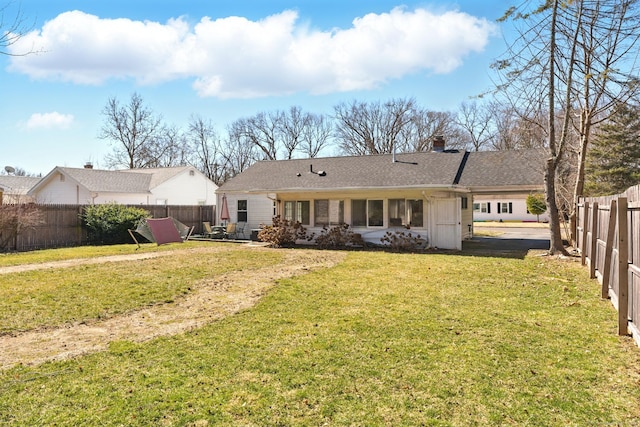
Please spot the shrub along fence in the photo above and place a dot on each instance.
(62, 224)
(609, 244)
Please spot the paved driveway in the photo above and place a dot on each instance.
(509, 241)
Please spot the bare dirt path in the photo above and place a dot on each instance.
(211, 299)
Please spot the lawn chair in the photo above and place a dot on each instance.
(231, 233)
(240, 230)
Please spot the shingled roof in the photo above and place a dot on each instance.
(331, 173)
(18, 185)
(410, 170)
(488, 170)
(139, 181)
(109, 181)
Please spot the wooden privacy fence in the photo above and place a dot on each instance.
(608, 239)
(62, 225)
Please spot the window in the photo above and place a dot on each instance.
(504, 207)
(358, 213)
(482, 207)
(405, 213)
(416, 213)
(297, 211)
(465, 203)
(242, 211)
(375, 214)
(367, 213)
(397, 213)
(328, 212)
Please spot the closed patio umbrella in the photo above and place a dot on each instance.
(224, 211)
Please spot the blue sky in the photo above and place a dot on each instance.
(224, 60)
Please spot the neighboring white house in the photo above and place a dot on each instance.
(14, 189)
(501, 181)
(428, 193)
(183, 185)
(504, 208)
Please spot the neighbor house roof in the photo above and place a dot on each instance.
(18, 185)
(410, 170)
(97, 180)
(159, 175)
(487, 171)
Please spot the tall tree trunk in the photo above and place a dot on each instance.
(555, 236)
(578, 191)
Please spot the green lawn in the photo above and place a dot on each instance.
(381, 339)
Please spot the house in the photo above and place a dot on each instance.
(429, 193)
(500, 182)
(183, 185)
(14, 189)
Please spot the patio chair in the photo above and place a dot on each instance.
(231, 233)
(240, 230)
(206, 229)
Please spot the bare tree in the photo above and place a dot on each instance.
(134, 130)
(424, 126)
(14, 219)
(13, 27)
(517, 130)
(206, 148)
(291, 128)
(167, 149)
(316, 135)
(239, 152)
(373, 128)
(606, 69)
(531, 83)
(477, 123)
(261, 131)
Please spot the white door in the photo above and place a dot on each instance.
(446, 232)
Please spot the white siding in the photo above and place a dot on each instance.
(466, 223)
(63, 191)
(259, 209)
(518, 208)
(185, 189)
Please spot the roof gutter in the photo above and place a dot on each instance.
(454, 188)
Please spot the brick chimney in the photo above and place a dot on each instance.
(438, 144)
(88, 165)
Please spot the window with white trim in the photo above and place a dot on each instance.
(242, 211)
(367, 213)
(405, 212)
(482, 207)
(297, 211)
(328, 212)
(505, 207)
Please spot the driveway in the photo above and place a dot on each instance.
(512, 240)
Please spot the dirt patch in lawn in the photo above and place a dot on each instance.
(210, 300)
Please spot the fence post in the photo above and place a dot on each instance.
(606, 273)
(594, 240)
(585, 228)
(623, 268)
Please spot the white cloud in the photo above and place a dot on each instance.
(52, 120)
(237, 58)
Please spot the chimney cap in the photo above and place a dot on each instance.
(88, 165)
